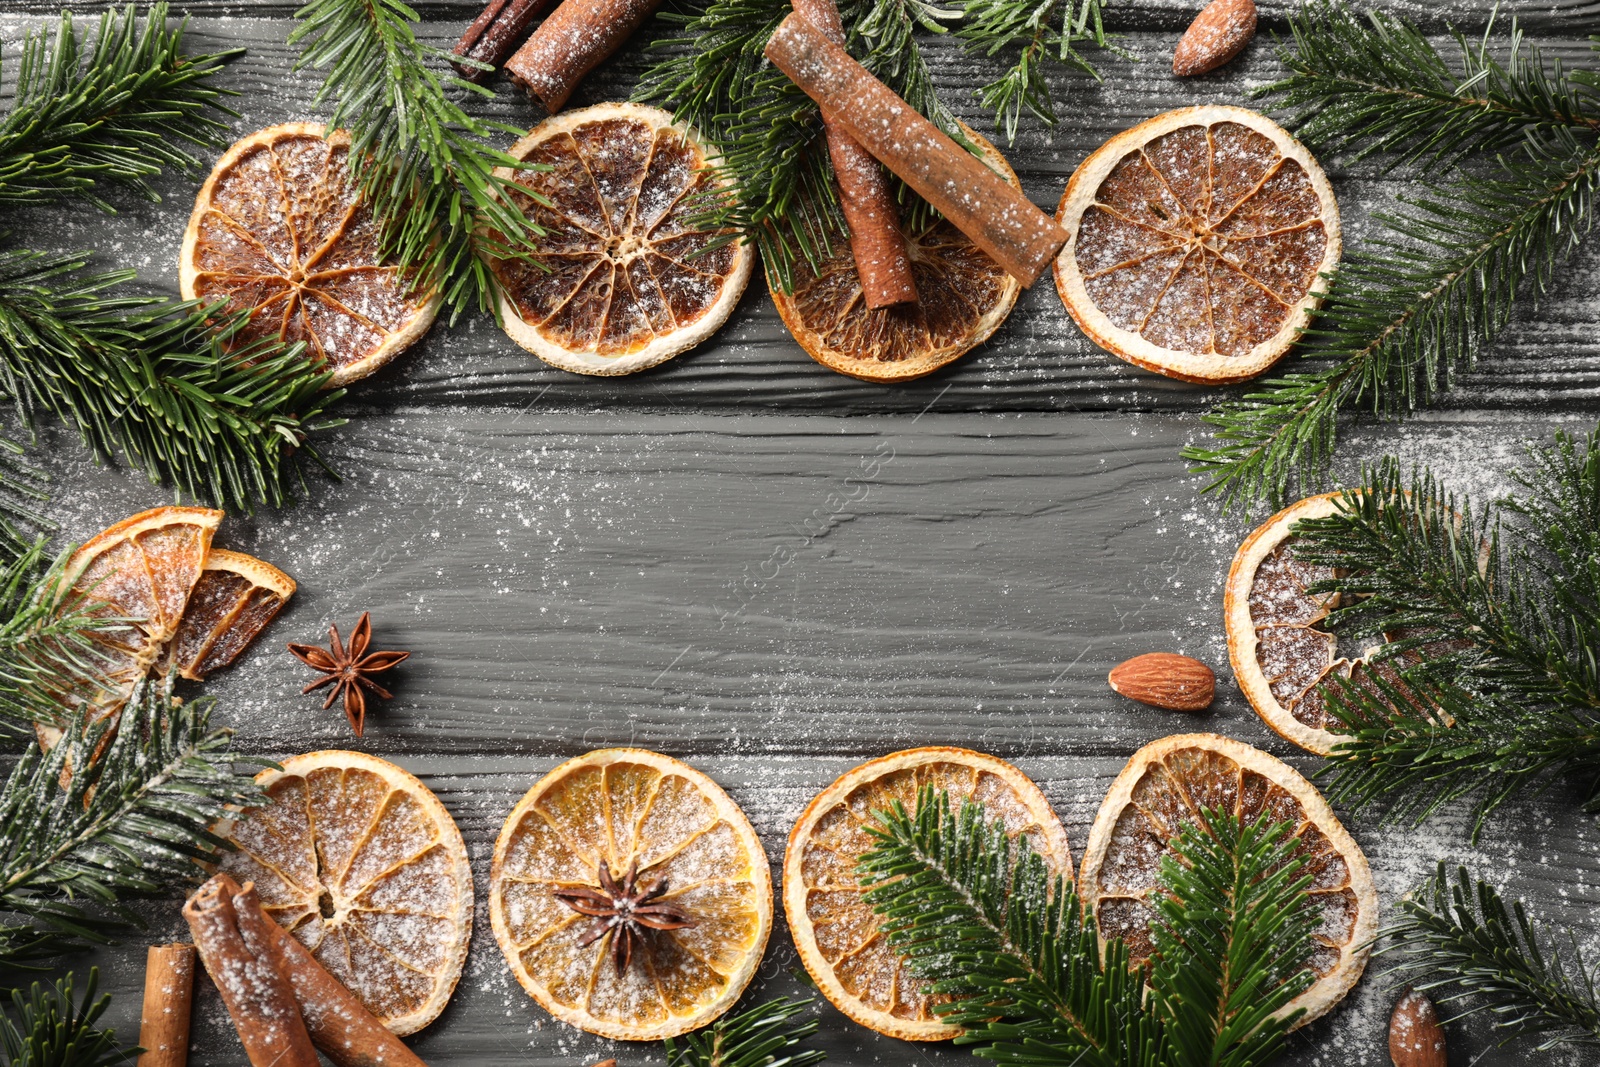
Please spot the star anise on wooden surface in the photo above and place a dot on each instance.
(349, 669)
(624, 909)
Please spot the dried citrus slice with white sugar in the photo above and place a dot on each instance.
(625, 275)
(141, 569)
(962, 298)
(1165, 785)
(364, 866)
(234, 599)
(281, 231)
(630, 895)
(1198, 244)
(836, 932)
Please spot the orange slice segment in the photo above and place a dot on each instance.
(1166, 784)
(1198, 244)
(234, 599)
(360, 861)
(963, 297)
(281, 231)
(835, 931)
(627, 809)
(625, 277)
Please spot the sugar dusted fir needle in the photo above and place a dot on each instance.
(349, 669)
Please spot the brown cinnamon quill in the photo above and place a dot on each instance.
(495, 34)
(577, 36)
(168, 1005)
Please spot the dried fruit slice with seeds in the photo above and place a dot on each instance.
(235, 598)
(1166, 784)
(962, 298)
(364, 866)
(666, 836)
(1199, 243)
(281, 231)
(626, 276)
(836, 933)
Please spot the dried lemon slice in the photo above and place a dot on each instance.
(1166, 784)
(366, 868)
(625, 276)
(624, 822)
(1198, 244)
(280, 230)
(962, 298)
(837, 934)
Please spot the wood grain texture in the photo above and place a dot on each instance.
(774, 572)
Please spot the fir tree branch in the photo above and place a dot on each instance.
(154, 381)
(759, 1037)
(53, 1028)
(1461, 939)
(117, 110)
(131, 819)
(424, 163)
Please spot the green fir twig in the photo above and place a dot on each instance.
(49, 1026)
(1036, 32)
(763, 1036)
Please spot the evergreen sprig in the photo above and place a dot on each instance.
(985, 921)
(116, 110)
(1037, 31)
(763, 1036)
(424, 163)
(1461, 942)
(1497, 620)
(767, 131)
(135, 813)
(1405, 317)
(49, 1026)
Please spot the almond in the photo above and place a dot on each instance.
(1216, 35)
(1165, 680)
(1415, 1037)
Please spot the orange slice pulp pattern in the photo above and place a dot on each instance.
(281, 230)
(1166, 784)
(835, 931)
(360, 861)
(1198, 241)
(624, 807)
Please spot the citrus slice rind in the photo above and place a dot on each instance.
(364, 866)
(963, 298)
(1165, 784)
(837, 934)
(1199, 243)
(280, 230)
(234, 599)
(620, 806)
(624, 277)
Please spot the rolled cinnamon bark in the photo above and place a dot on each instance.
(998, 218)
(168, 1004)
(869, 208)
(572, 42)
(244, 963)
(495, 34)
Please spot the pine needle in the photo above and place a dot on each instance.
(763, 1036)
(48, 1026)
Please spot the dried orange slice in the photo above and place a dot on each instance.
(963, 297)
(280, 230)
(837, 934)
(624, 819)
(624, 277)
(1198, 244)
(1165, 785)
(235, 598)
(366, 868)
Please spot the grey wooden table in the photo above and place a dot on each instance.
(563, 555)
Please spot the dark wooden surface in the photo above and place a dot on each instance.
(565, 556)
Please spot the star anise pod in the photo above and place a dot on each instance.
(349, 669)
(624, 910)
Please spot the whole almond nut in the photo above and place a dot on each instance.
(1216, 35)
(1165, 680)
(1415, 1037)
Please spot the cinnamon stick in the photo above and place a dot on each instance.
(495, 34)
(869, 208)
(240, 955)
(168, 1004)
(997, 218)
(572, 42)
